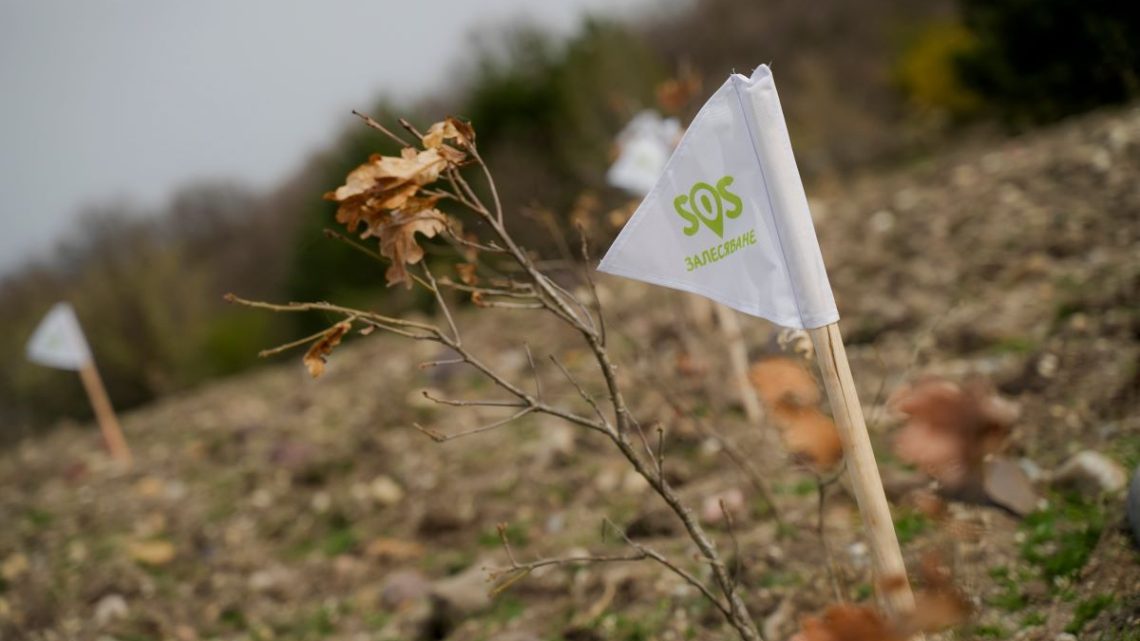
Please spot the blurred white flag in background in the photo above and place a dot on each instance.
(58, 341)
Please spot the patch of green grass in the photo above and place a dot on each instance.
(506, 608)
(340, 538)
(1033, 619)
(1087, 610)
(233, 617)
(1060, 538)
(1010, 598)
(1014, 345)
(377, 620)
(38, 518)
(802, 487)
(805, 487)
(990, 632)
(1126, 449)
(862, 592)
(517, 534)
(776, 579)
(448, 562)
(786, 531)
(909, 525)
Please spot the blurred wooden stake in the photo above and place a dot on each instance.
(738, 359)
(886, 558)
(104, 413)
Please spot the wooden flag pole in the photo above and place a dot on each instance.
(886, 558)
(104, 413)
(738, 358)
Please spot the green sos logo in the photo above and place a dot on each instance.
(706, 204)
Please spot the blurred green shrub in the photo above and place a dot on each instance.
(1034, 61)
(927, 72)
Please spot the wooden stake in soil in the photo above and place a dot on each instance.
(59, 342)
(886, 558)
(104, 413)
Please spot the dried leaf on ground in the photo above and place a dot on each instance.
(317, 355)
(847, 622)
(938, 604)
(790, 394)
(809, 435)
(152, 552)
(951, 428)
(784, 381)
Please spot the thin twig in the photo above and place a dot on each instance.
(360, 247)
(581, 391)
(368, 120)
(411, 128)
(534, 371)
(586, 267)
(443, 306)
(441, 438)
(729, 525)
(660, 451)
(672, 567)
(478, 403)
(297, 343)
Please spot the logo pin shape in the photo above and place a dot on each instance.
(706, 205)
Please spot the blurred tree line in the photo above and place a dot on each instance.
(862, 83)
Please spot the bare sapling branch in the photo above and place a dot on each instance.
(395, 200)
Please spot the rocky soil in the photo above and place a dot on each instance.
(273, 506)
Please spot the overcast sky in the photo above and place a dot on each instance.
(128, 99)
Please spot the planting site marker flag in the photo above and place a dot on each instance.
(728, 219)
(59, 342)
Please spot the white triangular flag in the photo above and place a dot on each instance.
(58, 341)
(728, 218)
(644, 146)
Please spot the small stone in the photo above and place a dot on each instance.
(653, 523)
(1092, 473)
(389, 549)
(1006, 484)
(459, 597)
(403, 587)
(882, 221)
(153, 553)
(634, 483)
(1047, 365)
(14, 567)
(733, 499)
(321, 502)
(555, 446)
(386, 491)
(607, 480)
(446, 517)
(111, 607)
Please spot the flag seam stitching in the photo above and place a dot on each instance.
(752, 134)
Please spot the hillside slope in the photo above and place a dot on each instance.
(273, 506)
